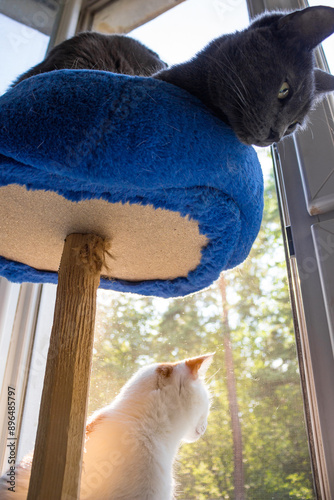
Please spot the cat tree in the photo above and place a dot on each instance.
(152, 195)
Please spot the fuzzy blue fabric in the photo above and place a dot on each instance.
(92, 134)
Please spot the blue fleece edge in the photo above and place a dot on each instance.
(87, 134)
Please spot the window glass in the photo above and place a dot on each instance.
(256, 442)
(256, 439)
(25, 29)
(182, 31)
(21, 48)
(256, 428)
(328, 44)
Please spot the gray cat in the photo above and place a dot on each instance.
(262, 81)
(89, 50)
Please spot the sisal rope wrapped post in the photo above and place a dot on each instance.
(58, 451)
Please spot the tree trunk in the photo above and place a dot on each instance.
(239, 484)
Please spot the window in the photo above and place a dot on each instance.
(327, 45)
(258, 440)
(257, 410)
(25, 35)
(303, 168)
(257, 344)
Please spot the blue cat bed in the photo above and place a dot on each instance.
(92, 156)
(76, 145)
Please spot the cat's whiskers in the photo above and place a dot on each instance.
(241, 99)
(230, 67)
(75, 63)
(225, 68)
(246, 110)
(236, 93)
(98, 64)
(246, 113)
(208, 380)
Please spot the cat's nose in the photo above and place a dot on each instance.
(273, 136)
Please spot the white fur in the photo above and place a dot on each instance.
(131, 444)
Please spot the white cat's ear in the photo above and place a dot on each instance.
(310, 26)
(164, 371)
(324, 82)
(198, 366)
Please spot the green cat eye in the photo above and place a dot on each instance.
(292, 125)
(283, 91)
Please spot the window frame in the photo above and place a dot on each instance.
(20, 307)
(313, 336)
(21, 318)
(138, 12)
(314, 343)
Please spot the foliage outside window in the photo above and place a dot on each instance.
(272, 459)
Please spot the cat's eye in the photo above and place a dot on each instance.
(292, 125)
(284, 91)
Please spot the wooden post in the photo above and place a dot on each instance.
(60, 436)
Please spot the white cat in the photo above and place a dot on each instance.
(131, 444)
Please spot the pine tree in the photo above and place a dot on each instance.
(239, 482)
(135, 330)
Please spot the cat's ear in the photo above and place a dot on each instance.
(164, 372)
(324, 82)
(310, 26)
(198, 366)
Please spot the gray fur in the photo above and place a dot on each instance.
(90, 50)
(238, 76)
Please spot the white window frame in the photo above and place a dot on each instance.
(19, 313)
(313, 336)
(22, 327)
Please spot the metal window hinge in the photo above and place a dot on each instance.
(289, 240)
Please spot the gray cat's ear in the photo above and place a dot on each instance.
(311, 25)
(324, 82)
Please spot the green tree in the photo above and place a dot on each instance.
(135, 330)
(238, 473)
